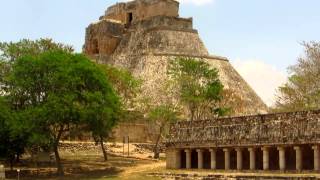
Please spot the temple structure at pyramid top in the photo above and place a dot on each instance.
(139, 10)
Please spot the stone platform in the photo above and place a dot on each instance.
(236, 176)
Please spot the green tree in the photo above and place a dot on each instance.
(302, 90)
(13, 139)
(162, 115)
(56, 90)
(10, 51)
(127, 87)
(125, 84)
(17, 135)
(198, 87)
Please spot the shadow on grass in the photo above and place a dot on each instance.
(74, 173)
(79, 167)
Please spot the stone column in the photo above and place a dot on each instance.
(282, 158)
(213, 159)
(226, 158)
(316, 158)
(188, 158)
(298, 158)
(265, 151)
(178, 159)
(252, 153)
(2, 172)
(239, 158)
(200, 158)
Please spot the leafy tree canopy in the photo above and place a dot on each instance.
(56, 90)
(198, 85)
(13, 50)
(302, 90)
(162, 115)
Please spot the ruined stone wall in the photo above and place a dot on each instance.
(103, 37)
(138, 132)
(271, 129)
(164, 21)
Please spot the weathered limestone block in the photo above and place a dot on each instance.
(173, 159)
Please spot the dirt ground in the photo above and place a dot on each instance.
(88, 163)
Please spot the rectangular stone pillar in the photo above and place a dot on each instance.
(239, 158)
(298, 158)
(200, 158)
(213, 159)
(173, 160)
(252, 153)
(188, 158)
(265, 151)
(226, 158)
(2, 172)
(282, 158)
(316, 158)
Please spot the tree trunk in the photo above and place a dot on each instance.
(105, 155)
(156, 150)
(11, 162)
(56, 153)
(58, 162)
(18, 158)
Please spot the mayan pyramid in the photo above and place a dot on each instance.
(142, 35)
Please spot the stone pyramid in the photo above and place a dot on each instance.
(143, 35)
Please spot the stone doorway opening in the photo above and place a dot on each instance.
(220, 159)
(206, 159)
(183, 155)
(194, 159)
(233, 159)
(307, 157)
(273, 158)
(245, 159)
(259, 159)
(95, 49)
(129, 18)
(290, 158)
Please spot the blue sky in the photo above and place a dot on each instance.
(257, 35)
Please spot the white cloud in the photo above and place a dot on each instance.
(262, 77)
(196, 2)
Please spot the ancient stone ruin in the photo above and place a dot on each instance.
(143, 35)
(284, 141)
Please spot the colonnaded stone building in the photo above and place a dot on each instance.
(142, 36)
(284, 141)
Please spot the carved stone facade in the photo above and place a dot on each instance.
(284, 141)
